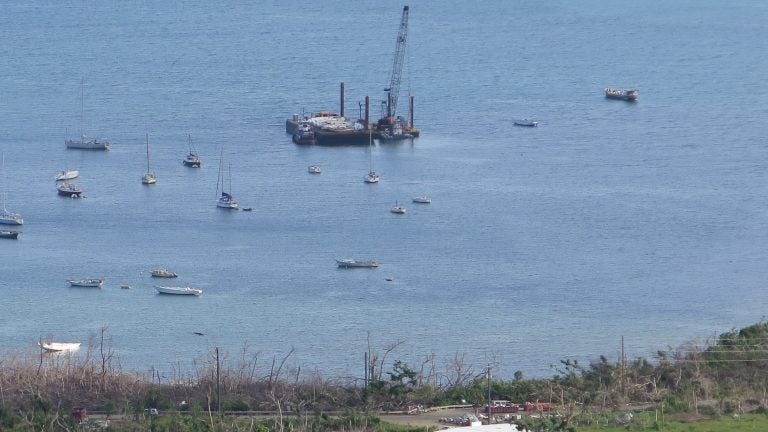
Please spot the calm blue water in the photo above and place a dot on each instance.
(645, 220)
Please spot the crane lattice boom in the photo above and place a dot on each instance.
(397, 65)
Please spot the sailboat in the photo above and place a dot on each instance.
(84, 142)
(192, 159)
(149, 177)
(7, 217)
(225, 201)
(371, 177)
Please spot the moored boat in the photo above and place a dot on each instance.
(9, 218)
(59, 346)
(351, 263)
(304, 134)
(314, 169)
(175, 290)
(526, 122)
(69, 189)
(6, 234)
(422, 199)
(87, 283)
(87, 144)
(67, 175)
(163, 273)
(397, 209)
(192, 159)
(622, 94)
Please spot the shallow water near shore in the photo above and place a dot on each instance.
(642, 220)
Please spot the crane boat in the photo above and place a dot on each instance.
(390, 126)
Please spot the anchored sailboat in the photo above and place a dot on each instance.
(85, 143)
(371, 177)
(225, 201)
(149, 177)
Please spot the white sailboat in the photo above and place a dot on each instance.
(8, 217)
(149, 177)
(85, 143)
(225, 200)
(372, 176)
(192, 159)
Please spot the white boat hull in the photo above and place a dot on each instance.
(87, 283)
(67, 175)
(178, 290)
(93, 144)
(350, 263)
(59, 346)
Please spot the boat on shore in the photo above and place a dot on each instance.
(175, 290)
(163, 273)
(351, 263)
(67, 175)
(59, 346)
(86, 283)
(69, 190)
(622, 94)
(7, 234)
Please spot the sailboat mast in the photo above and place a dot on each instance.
(148, 153)
(218, 177)
(82, 109)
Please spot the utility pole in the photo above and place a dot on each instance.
(218, 383)
(489, 393)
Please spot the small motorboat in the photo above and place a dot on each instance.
(88, 283)
(178, 290)
(247, 209)
(67, 175)
(69, 189)
(526, 122)
(314, 169)
(125, 287)
(422, 199)
(9, 234)
(163, 273)
(351, 263)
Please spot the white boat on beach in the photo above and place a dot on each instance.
(67, 175)
(178, 290)
(351, 263)
(59, 346)
(88, 283)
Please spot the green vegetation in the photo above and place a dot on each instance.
(713, 386)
